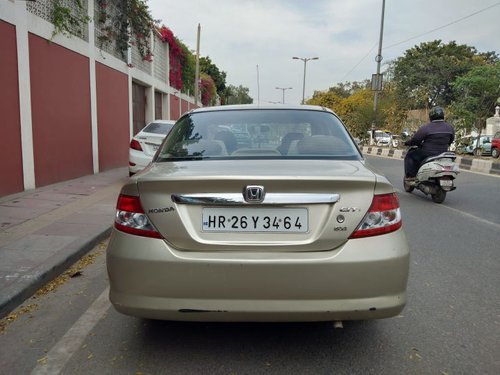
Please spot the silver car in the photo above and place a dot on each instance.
(481, 147)
(290, 226)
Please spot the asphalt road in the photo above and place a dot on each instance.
(451, 324)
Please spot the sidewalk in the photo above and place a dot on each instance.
(43, 231)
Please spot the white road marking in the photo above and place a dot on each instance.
(466, 214)
(461, 170)
(470, 216)
(61, 353)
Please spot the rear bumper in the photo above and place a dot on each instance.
(138, 158)
(364, 279)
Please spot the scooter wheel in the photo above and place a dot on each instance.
(408, 187)
(439, 196)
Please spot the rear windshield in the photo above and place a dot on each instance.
(157, 128)
(258, 133)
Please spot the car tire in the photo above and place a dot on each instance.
(494, 153)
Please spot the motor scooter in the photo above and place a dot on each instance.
(435, 176)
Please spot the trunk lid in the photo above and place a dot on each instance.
(150, 142)
(327, 199)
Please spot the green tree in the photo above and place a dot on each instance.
(237, 95)
(353, 102)
(475, 95)
(357, 112)
(207, 90)
(345, 89)
(219, 77)
(355, 109)
(391, 116)
(424, 74)
(188, 64)
(328, 99)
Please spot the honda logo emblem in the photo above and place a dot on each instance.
(254, 193)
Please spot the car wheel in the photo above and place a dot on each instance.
(494, 153)
(439, 197)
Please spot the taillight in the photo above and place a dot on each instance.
(130, 218)
(135, 145)
(383, 217)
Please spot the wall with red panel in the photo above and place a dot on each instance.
(60, 100)
(185, 106)
(174, 107)
(112, 117)
(11, 167)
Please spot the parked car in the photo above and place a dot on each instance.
(473, 147)
(296, 227)
(395, 141)
(144, 144)
(495, 145)
(382, 138)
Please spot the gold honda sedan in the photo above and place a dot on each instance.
(258, 214)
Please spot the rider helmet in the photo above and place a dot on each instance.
(436, 113)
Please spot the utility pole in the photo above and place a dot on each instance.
(377, 78)
(258, 86)
(197, 69)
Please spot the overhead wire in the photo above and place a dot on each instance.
(420, 35)
(360, 61)
(442, 27)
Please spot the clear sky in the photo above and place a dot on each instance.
(239, 35)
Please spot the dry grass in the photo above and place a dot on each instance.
(75, 270)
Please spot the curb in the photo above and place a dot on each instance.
(92, 195)
(466, 164)
(54, 266)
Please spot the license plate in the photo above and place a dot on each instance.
(446, 183)
(289, 220)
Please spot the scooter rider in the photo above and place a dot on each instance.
(432, 139)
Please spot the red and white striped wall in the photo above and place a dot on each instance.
(67, 107)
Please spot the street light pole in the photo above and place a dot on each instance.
(258, 86)
(283, 89)
(305, 60)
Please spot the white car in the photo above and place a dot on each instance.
(144, 144)
(382, 138)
